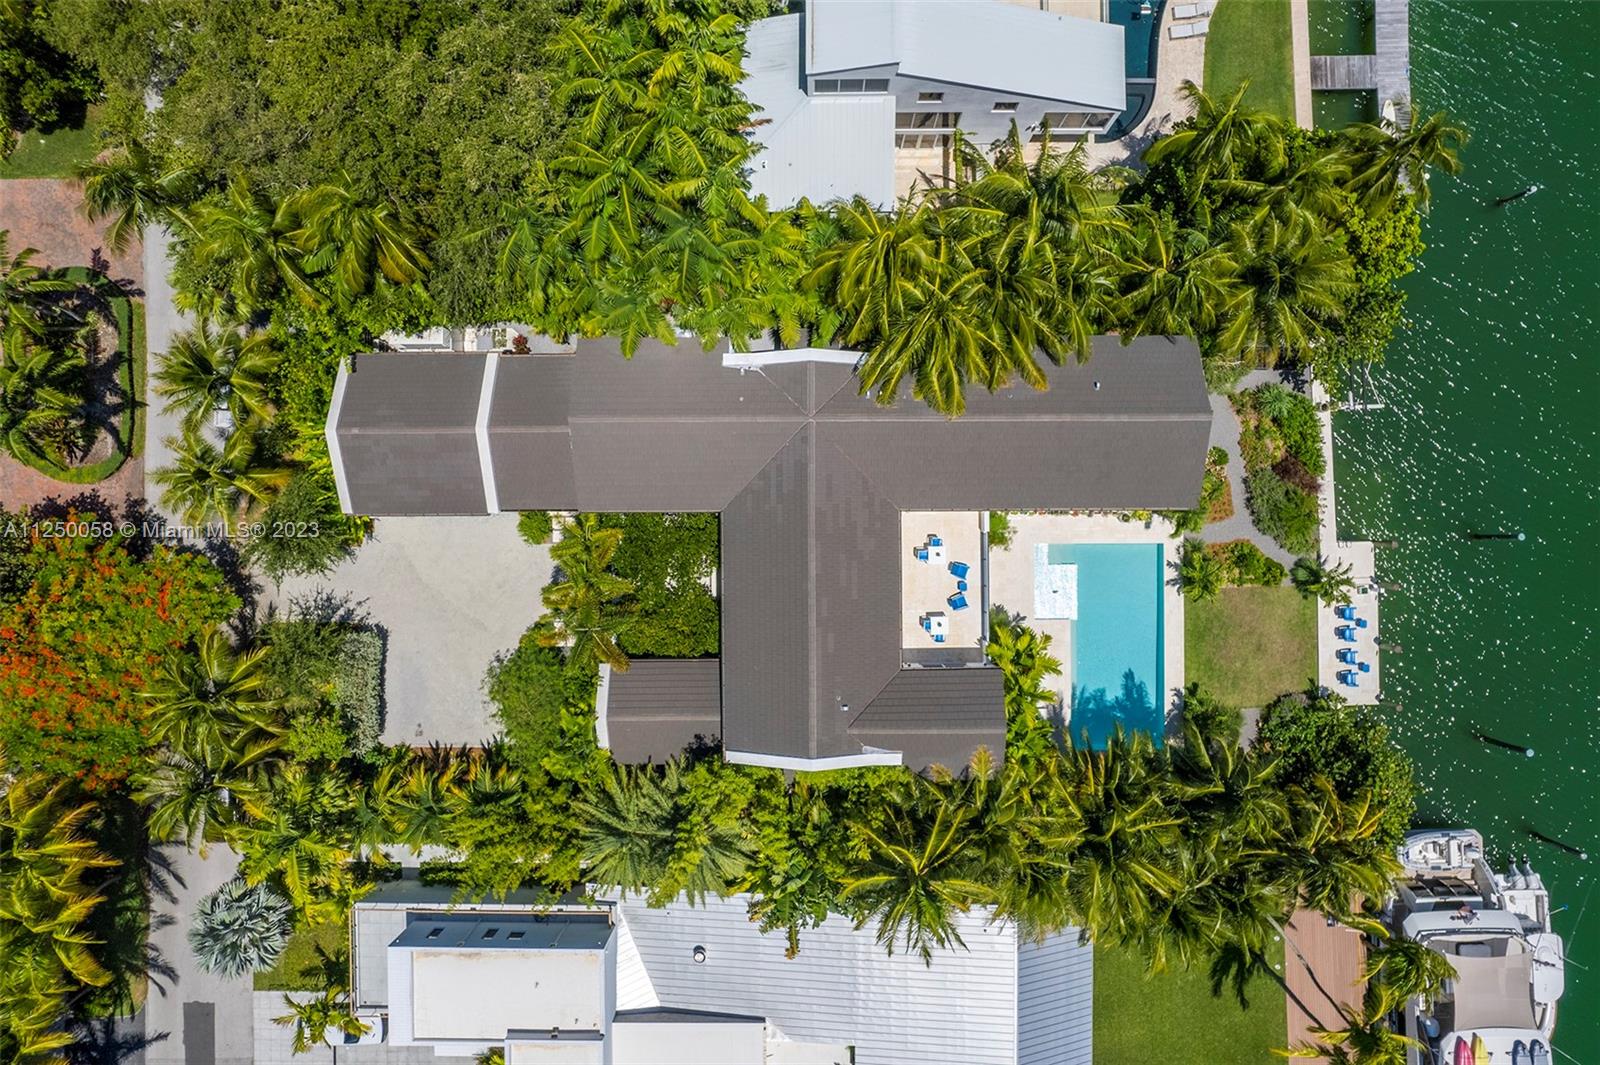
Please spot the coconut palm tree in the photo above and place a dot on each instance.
(940, 341)
(214, 699)
(1402, 969)
(253, 239)
(46, 897)
(1200, 574)
(225, 483)
(312, 1017)
(133, 188)
(210, 368)
(359, 241)
(1174, 281)
(303, 836)
(1224, 133)
(239, 929)
(589, 607)
(917, 873)
(23, 286)
(1318, 578)
(1365, 1039)
(1293, 277)
(198, 800)
(40, 393)
(1388, 157)
(1330, 848)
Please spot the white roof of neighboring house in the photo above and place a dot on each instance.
(998, 1002)
(817, 148)
(982, 43)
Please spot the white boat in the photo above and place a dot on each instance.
(1495, 930)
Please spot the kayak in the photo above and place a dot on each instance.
(1480, 1052)
(1520, 1054)
(1463, 1054)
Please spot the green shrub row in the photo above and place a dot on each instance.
(358, 687)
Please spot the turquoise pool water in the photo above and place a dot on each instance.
(1117, 638)
(1139, 35)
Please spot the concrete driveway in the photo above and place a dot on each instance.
(450, 594)
(192, 1017)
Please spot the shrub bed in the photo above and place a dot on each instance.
(1280, 440)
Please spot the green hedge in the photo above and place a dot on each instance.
(358, 688)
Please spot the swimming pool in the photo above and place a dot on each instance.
(1140, 38)
(1117, 649)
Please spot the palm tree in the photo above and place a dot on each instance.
(1200, 573)
(917, 873)
(1293, 278)
(198, 800)
(213, 699)
(225, 483)
(1330, 848)
(357, 240)
(627, 832)
(40, 394)
(240, 928)
(252, 239)
(312, 1017)
(45, 901)
(590, 607)
(207, 369)
(1403, 969)
(1366, 1039)
(22, 287)
(303, 836)
(1176, 281)
(133, 188)
(1318, 578)
(1389, 156)
(1223, 135)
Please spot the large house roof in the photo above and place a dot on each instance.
(809, 476)
(981, 43)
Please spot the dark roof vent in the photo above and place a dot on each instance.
(435, 933)
(490, 933)
(698, 954)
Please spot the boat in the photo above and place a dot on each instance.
(1495, 929)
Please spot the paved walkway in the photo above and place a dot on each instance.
(162, 320)
(1300, 45)
(450, 594)
(192, 1017)
(1225, 434)
(1334, 956)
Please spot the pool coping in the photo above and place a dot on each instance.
(1011, 587)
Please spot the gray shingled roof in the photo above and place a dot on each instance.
(659, 706)
(809, 477)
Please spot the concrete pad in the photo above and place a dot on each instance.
(925, 587)
(449, 594)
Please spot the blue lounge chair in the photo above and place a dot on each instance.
(939, 638)
(1365, 667)
(1347, 655)
(1361, 623)
(1347, 678)
(1345, 633)
(957, 602)
(927, 623)
(961, 586)
(959, 569)
(922, 554)
(934, 541)
(1345, 613)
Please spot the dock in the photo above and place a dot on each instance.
(1387, 71)
(1361, 557)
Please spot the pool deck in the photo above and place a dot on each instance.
(1360, 556)
(925, 587)
(1011, 585)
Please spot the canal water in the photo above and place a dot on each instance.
(1493, 424)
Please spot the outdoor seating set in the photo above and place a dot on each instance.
(934, 622)
(1350, 678)
(1201, 12)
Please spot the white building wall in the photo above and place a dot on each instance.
(1055, 1002)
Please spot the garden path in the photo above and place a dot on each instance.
(1225, 434)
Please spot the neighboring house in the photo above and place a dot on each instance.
(824, 496)
(620, 983)
(842, 85)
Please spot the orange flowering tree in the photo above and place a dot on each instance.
(83, 638)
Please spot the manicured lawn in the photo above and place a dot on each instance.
(1174, 1017)
(54, 154)
(301, 954)
(1250, 645)
(1250, 39)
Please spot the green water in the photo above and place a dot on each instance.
(1494, 405)
(1340, 27)
(1335, 110)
